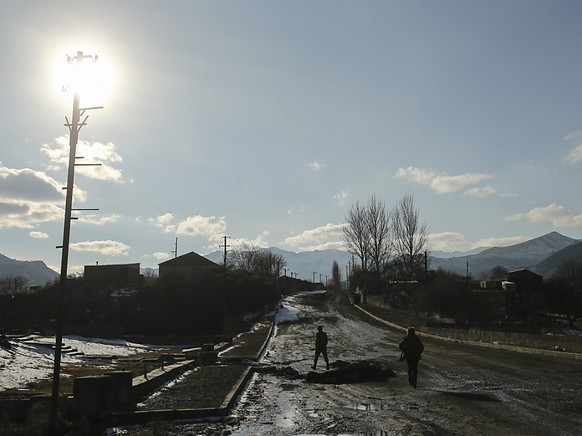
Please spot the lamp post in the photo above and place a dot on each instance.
(74, 127)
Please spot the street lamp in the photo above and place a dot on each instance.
(74, 126)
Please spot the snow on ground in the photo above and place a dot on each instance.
(31, 358)
(286, 313)
(290, 310)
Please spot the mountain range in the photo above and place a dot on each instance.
(35, 271)
(542, 255)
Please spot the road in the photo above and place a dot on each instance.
(462, 389)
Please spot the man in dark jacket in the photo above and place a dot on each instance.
(412, 347)
(320, 347)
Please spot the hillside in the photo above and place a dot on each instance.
(524, 255)
(550, 265)
(35, 271)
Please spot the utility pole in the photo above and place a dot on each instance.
(74, 127)
(426, 283)
(175, 250)
(225, 245)
(347, 277)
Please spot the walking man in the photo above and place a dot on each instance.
(412, 347)
(320, 347)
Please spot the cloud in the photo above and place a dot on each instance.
(319, 238)
(211, 227)
(483, 192)
(260, 241)
(448, 241)
(574, 136)
(298, 211)
(38, 235)
(106, 248)
(500, 242)
(341, 197)
(99, 220)
(316, 166)
(575, 154)
(441, 183)
(161, 255)
(452, 241)
(29, 197)
(558, 215)
(165, 219)
(165, 222)
(92, 152)
(27, 185)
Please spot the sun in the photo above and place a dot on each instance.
(94, 78)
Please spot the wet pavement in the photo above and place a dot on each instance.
(462, 389)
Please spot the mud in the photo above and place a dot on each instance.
(461, 389)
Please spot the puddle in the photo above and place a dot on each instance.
(369, 407)
(288, 386)
(474, 396)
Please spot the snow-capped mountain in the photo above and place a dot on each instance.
(523, 255)
(542, 255)
(306, 265)
(479, 262)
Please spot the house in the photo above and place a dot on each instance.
(187, 265)
(113, 274)
(526, 281)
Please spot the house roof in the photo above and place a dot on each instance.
(523, 271)
(113, 265)
(188, 259)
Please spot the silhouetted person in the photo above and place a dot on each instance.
(412, 347)
(4, 342)
(320, 347)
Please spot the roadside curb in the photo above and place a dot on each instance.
(525, 350)
(142, 416)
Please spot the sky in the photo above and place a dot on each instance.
(266, 121)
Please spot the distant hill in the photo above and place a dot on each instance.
(35, 271)
(527, 254)
(305, 263)
(542, 255)
(523, 255)
(549, 266)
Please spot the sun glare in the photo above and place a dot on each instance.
(94, 78)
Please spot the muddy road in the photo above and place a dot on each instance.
(462, 389)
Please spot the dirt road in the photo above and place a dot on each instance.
(462, 389)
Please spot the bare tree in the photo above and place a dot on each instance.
(410, 238)
(260, 261)
(336, 276)
(13, 284)
(498, 273)
(356, 236)
(243, 258)
(380, 230)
